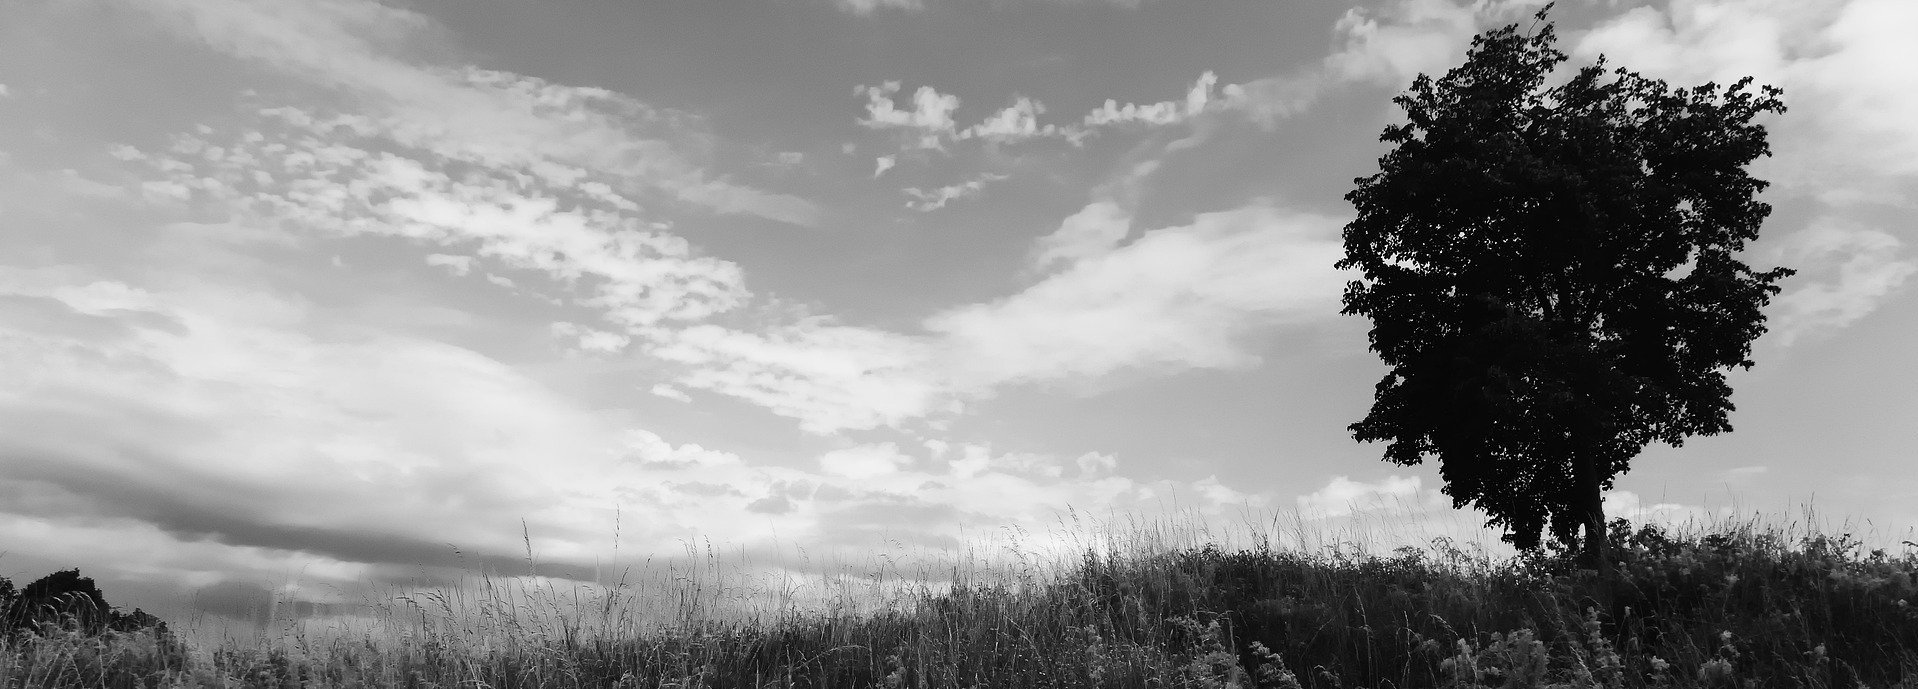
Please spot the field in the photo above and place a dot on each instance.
(1729, 605)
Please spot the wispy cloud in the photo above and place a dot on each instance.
(1343, 496)
(377, 54)
(1177, 297)
(931, 200)
(1848, 141)
(334, 176)
(1849, 271)
(1848, 136)
(866, 7)
(828, 377)
(926, 121)
(1204, 93)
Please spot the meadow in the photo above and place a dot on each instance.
(1731, 604)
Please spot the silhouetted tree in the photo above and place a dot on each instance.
(64, 598)
(1552, 275)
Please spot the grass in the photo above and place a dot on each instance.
(1733, 605)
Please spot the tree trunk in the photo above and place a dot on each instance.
(1589, 500)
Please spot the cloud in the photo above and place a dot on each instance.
(1176, 298)
(495, 118)
(1197, 100)
(308, 174)
(457, 265)
(1849, 136)
(1845, 272)
(647, 448)
(1093, 463)
(1394, 43)
(828, 377)
(867, 7)
(195, 426)
(1017, 122)
(1343, 496)
(236, 427)
(1387, 45)
(670, 392)
(927, 122)
(883, 163)
(1095, 230)
(651, 290)
(1627, 505)
(927, 201)
(864, 461)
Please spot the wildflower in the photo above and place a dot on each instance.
(1715, 671)
(1659, 664)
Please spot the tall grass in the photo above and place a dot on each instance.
(1727, 605)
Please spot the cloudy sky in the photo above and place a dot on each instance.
(311, 294)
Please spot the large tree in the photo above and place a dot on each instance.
(1553, 276)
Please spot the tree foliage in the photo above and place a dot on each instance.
(1552, 274)
(64, 599)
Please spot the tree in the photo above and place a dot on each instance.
(61, 597)
(65, 598)
(1552, 276)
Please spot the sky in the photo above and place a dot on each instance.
(299, 297)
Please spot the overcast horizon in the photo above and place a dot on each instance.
(301, 296)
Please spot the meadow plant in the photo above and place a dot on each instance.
(1730, 605)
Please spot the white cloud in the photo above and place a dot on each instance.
(975, 459)
(1200, 97)
(646, 447)
(1845, 273)
(1218, 497)
(1094, 230)
(1397, 42)
(519, 217)
(927, 123)
(457, 265)
(1178, 297)
(1093, 463)
(828, 377)
(490, 117)
(1849, 135)
(1627, 505)
(1387, 45)
(927, 201)
(866, 7)
(670, 392)
(1017, 122)
(883, 163)
(864, 461)
(254, 434)
(1343, 496)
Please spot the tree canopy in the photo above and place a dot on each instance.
(65, 598)
(1553, 275)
